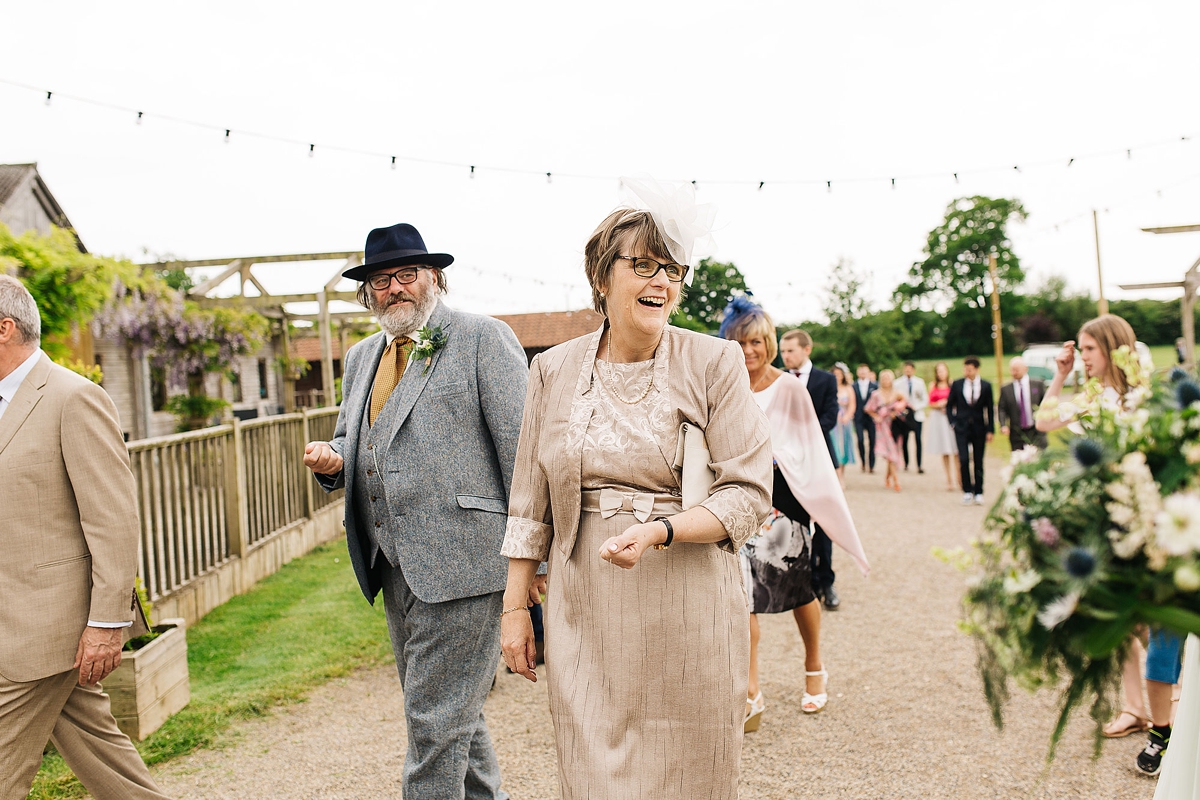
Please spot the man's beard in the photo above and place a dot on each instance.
(403, 319)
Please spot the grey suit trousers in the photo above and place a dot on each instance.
(446, 654)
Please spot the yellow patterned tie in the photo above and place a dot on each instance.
(388, 374)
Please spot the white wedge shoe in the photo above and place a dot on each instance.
(754, 712)
(813, 703)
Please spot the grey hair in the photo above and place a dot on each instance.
(17, 304)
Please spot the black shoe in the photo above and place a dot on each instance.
(920, 471)
(832, 601)
(1149, 761)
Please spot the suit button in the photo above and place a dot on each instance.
(378, 524)
(371, 446)
(373, 497)
(370, 472)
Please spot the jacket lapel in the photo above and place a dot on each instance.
(416, 376)
(580, 417)
(662, 391)
(24, 400)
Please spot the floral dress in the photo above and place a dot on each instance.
(886, 445)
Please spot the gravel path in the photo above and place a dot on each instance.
(906, 716)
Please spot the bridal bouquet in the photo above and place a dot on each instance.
(1087, 542)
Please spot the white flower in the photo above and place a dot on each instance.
(1177, 526)
(1191, 452)
(1178, 428)
(1059, 611)
(1019, 583)
(1026, 455)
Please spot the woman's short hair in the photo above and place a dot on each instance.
(17, 304)
(625, 227)
(889, 373)
(754, 323)
(1112, 332)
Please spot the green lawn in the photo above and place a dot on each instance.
(296, 630)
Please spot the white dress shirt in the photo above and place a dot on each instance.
(13, 380)
(863, 386)
(971, 390)
(804, 372)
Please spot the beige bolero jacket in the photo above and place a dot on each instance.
(701, 377)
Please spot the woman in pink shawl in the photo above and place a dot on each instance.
(776, 562)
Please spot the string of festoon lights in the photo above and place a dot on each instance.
(138, 115)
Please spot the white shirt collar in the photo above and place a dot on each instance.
(12, 382)
(807, 368)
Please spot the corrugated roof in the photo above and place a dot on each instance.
(11, 176)
(552, 327)
(310, 349)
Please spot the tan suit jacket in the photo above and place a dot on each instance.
(704, 382)
(69, 521)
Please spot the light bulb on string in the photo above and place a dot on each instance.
(472, 172)
(760, 185)
(1129, 154)
(48, 96)
(1071, 161)
(829, 186)
(227, 136)
(312, 148)
(893, 183)
(547, 177)
(139, 118)
(956, 177)
(393, 162)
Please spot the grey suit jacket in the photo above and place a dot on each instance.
(448, 465)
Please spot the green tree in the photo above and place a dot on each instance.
(855, 332)
(713, 286)
(955, 270)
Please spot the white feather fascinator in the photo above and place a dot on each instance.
(685, 224)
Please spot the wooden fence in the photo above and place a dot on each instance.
(211, 496)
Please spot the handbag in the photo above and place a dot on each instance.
(692, 460)
(905, 422)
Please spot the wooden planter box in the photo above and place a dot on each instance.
(152, 682)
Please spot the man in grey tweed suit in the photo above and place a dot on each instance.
(425, 445)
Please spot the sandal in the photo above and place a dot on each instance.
(1136, 724)
(754, 712)
(813, 703)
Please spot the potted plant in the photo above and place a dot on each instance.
(151, 683)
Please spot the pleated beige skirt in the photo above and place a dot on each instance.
(646, 669)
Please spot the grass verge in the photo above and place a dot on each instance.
(296, 630)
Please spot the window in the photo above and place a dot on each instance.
(158, 388)
(235, 379)
(262, 378)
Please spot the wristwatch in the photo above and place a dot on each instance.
(670, 533)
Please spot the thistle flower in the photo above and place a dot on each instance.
(1187, 391)
(1176, 375)
(1080, 563)
(1046, 531)
(1088, 453)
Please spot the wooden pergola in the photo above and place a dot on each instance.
(274, 305)
(1189, 284)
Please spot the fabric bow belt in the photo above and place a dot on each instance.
(642, 505)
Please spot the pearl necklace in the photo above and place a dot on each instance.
(612, 382)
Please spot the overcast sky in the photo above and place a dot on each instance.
(722, 93)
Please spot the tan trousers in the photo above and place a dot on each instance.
(79, 721)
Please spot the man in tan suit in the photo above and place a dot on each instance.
(68, 532)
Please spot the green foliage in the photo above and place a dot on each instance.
(90, 371)
(194, 410)
(178, 279)
(68, 285)
(714, 284)
(295, 631)
(292, 367)
(855, 333)
(956, 267)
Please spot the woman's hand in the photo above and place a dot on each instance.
(626, 550)
(1065, 360)
(516, 643)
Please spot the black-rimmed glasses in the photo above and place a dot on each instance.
(383, 280)
(648, 268)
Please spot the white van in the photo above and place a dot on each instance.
(1040, 359)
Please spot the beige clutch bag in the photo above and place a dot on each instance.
(692, 460)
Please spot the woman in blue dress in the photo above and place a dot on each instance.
(843, 432)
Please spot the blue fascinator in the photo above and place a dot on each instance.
(739, 308)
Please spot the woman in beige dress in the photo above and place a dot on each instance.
(646, 648)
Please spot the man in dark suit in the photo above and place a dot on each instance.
(1018, 404)
(969, 408)
(864, 387)
(796, 348)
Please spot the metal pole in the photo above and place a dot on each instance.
(1102, 304)
(997, 337)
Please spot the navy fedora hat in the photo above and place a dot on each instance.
(394, 247)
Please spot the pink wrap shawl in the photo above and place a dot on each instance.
(799, 448)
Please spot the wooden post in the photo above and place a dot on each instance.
(1102, 304)
(288, 383)
(997, 331)
(237, 518)
(1189, 321)
(310, 505)
(325, 326)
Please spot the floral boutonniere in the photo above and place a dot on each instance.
(427, 342)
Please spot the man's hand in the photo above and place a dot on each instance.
(1004, 430)
(989, 438)
(99, 653)
(321, 458)
(537, 590)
